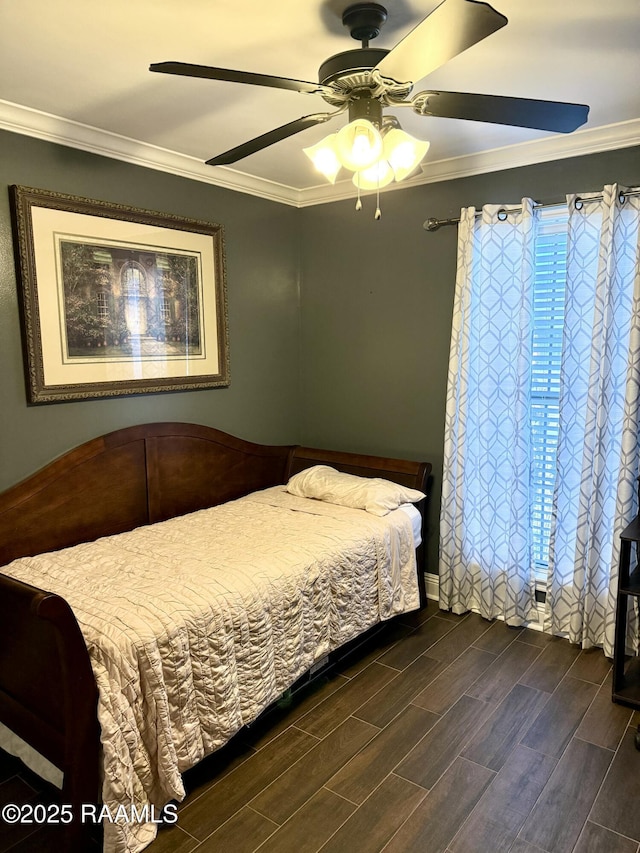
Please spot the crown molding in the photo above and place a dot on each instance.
(73, 134)
(62, 131)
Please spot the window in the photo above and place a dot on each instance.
(103, 306)
(548, 321)
(165, 310)
(134, 282)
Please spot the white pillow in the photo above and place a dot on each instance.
(373, 494)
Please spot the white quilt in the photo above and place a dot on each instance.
(196, 624)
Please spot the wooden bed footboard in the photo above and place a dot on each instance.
(135, 476)
(48, 694)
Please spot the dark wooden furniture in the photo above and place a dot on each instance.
(626, 671)
(134, 476)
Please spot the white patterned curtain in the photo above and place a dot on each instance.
(598, 448)
(485, 524)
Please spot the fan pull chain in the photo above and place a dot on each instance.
(378, 212)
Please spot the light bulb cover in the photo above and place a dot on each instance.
(375, 177)
(403, 152)
(358, 144)
(324, 157)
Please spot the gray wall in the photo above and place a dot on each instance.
(263, 293)
(377, 303)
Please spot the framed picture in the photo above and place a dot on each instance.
(117, 300)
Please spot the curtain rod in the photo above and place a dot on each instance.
(432, 224)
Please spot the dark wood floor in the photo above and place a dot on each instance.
(444, 733)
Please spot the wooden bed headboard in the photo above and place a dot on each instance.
(148, 473)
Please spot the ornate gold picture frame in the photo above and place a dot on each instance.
(117, 300)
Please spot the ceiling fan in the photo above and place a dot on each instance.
(366, 79)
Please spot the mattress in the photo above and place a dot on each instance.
(197, 624)
(416, 522)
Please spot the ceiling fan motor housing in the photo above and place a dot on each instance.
(350, 63)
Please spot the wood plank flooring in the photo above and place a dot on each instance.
(442, 734)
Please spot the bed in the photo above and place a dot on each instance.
(118, 491)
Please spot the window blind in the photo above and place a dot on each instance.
(548, 321)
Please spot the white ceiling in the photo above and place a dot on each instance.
(76, 72)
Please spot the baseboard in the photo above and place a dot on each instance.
(432, 583)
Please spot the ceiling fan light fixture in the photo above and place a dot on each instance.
(403, 152)
(324, 157)
(389, 155)
(358, 144)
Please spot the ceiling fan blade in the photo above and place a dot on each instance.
(520, 112)
(260, 142)
(185, 69)
(451, 28)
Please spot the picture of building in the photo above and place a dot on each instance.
(120, 302)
